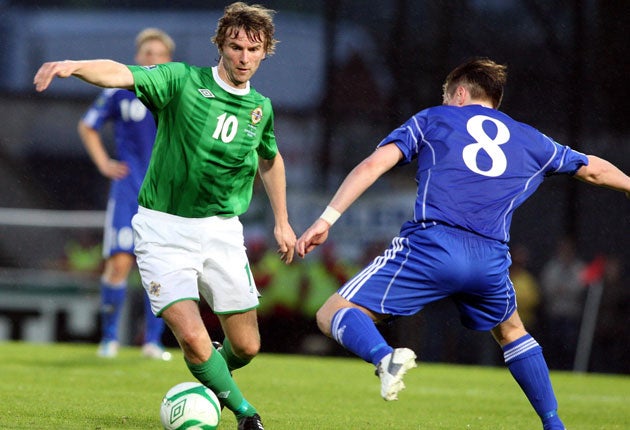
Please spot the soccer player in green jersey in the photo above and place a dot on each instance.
(214, 133)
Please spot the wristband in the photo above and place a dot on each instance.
(330, 215)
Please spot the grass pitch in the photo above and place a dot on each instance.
(65, 386)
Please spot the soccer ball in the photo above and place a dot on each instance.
(190, 405)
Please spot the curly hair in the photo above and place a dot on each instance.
(255, 20)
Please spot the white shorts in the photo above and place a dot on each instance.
(179, 258)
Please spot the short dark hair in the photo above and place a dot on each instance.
(256, 20)
(483, 78)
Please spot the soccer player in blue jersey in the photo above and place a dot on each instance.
(134, 133)
(476, 165)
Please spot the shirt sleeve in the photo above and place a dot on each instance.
(156, 85)
(407, 138)
(566, 161)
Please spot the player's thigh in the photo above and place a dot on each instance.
(486, 297)
(226, 280)
(401, 281)
(168, 261)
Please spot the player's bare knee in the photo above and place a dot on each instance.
(246, 351)
(191, 340)
(328, 310)
(509, 330)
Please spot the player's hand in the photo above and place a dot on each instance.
(286, 242)
(311, 238)
(48, 71)
(114, 169)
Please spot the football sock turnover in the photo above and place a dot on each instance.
(525, 360)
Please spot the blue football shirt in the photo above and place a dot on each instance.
(476, 165)
(134, 134)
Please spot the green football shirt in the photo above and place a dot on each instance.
(209, 137)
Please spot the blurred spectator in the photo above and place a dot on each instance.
(563, 293)
(526, 286)
(610, 351)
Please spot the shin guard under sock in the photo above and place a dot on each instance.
(112, 301)
(525, 360)
(215, 375)
(356, 332)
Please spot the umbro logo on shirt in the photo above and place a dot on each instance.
(206, 93)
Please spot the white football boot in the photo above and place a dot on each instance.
(107, 349)
(391, 370)
(156, 352)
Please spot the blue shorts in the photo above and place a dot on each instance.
(118, 233)
(433, 264)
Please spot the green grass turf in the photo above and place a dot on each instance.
(65, 386)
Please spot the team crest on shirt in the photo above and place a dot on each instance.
(206, 93)
(154, 289)
(257, 115)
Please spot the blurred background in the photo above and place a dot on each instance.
(345, 73)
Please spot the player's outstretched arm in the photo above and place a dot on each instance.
(102, 73)
(603, 173)
(355, 184)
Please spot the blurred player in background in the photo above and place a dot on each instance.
(526, 286)
(476, 165)
(215, 132)
(134, 133)
(564, 293)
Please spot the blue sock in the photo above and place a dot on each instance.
(356, 332)
(525, 360)
(154, 326)
(112, 301)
